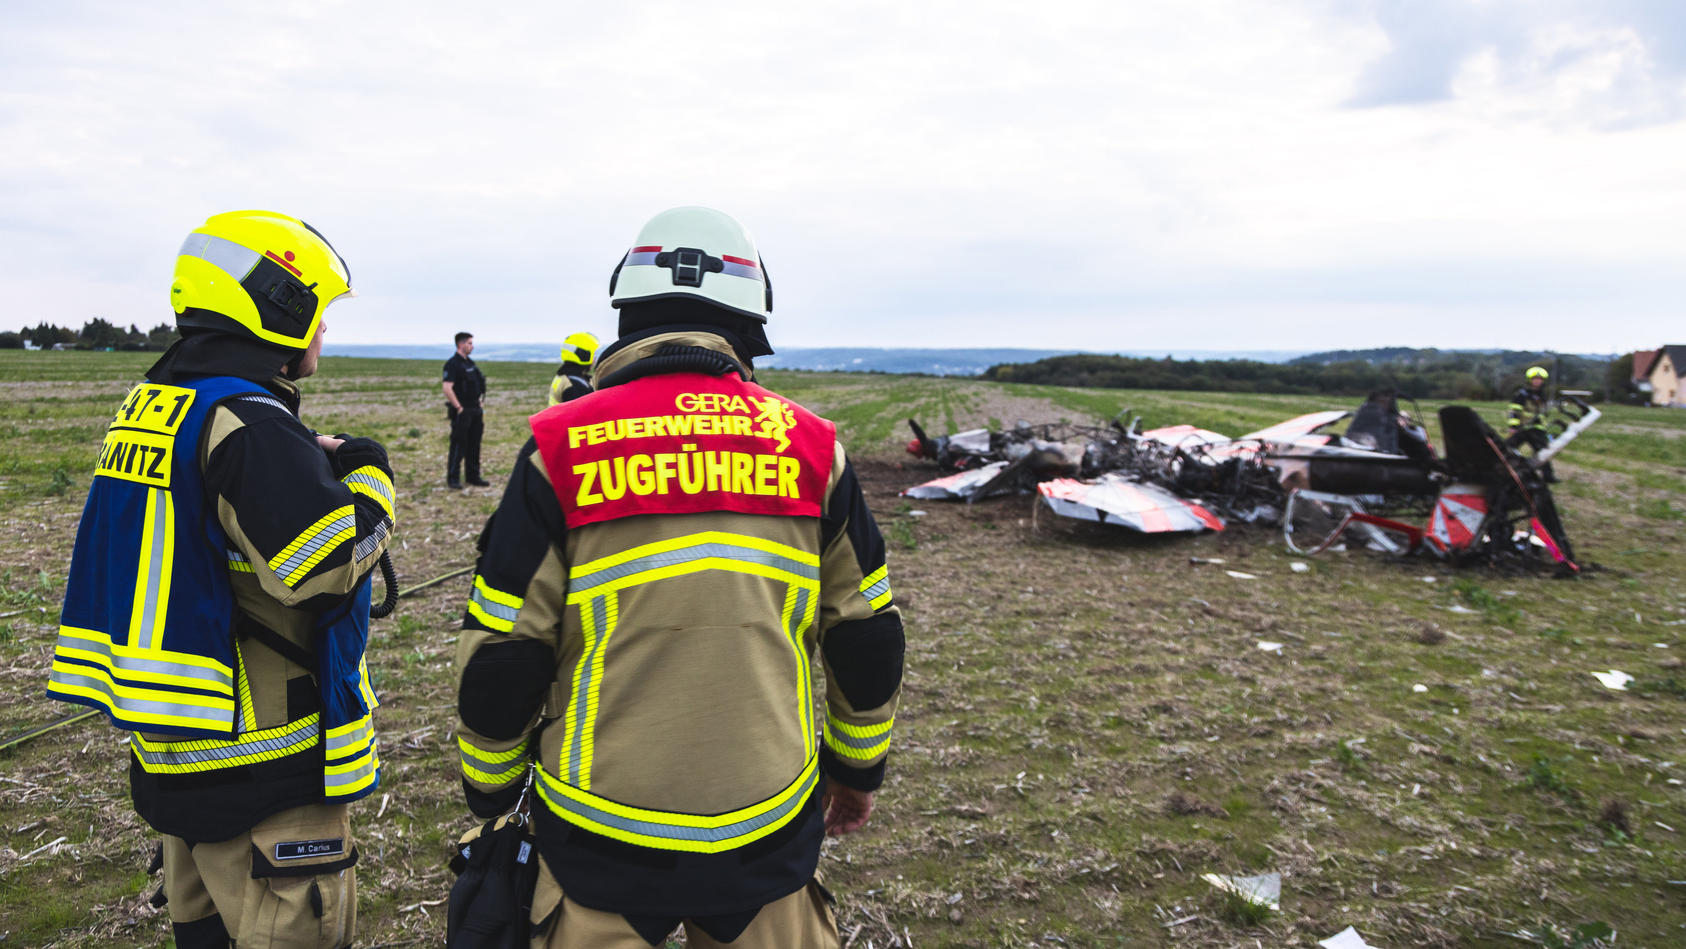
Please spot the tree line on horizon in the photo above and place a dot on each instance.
(1413, 373)
(95, 334)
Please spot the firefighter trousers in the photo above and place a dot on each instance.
(802, 920)
(288, 882)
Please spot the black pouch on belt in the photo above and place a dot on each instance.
(497, 867)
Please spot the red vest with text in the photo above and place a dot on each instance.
(685, 443)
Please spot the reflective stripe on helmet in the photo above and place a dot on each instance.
(231, 258)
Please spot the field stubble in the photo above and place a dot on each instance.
(1088, 723)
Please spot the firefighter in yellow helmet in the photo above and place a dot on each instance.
(1525, 418)
(670, 555)
(218, 600)
(573, 379)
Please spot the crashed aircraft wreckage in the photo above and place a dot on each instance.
(1482, 499)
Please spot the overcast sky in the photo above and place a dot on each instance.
(1305, 174)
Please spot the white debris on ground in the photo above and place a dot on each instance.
(1299, 566)
(1269, 646)
(1241, 576)
(1419, 687)
(1264, 889)
(1615, 679)
(1347, 938)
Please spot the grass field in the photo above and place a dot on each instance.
(1088, 724)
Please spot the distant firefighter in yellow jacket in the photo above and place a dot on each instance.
(670, 554)
(573, 379)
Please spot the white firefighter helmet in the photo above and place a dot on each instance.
(696, 253)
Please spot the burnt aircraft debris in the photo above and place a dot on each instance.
(1367, 486)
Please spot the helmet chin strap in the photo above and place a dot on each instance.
(291, 369)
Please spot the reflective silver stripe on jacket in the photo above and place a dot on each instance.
(666, 558)
(367, 545)
(355, 776)
(679, 831)
(493, 607)
(147, 671)
(237, 749)
(145, 634)
(128, 707)
(328, 533)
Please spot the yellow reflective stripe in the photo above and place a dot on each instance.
(211, 754)
(314, 543)
(685, 567)
(493, 607)
(692, 553)
(597, 623)
(350, 739)
(857, 742)
(135, 707)
(161, 667)
(122, 690)
(478, 763)
(343, 780)
(693, 540)
(248, 712)
(153, 571)
(495, 595)
(373, 482)
(670, 830)
(344, 776)
(799, 605)
(364, 687)
(491, 757)
(492, 622)
(875, 586)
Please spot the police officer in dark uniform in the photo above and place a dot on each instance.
(465, 396)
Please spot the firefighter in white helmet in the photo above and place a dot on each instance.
(671, 552)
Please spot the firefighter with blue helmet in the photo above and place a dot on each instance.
(673, 554)
(217, 606)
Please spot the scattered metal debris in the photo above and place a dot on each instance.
(1372, 485)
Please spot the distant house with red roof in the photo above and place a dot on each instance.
(1639, 380)
(1666, 367)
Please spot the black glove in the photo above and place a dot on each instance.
(357, 452)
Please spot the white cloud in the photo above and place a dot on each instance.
(1082, 174)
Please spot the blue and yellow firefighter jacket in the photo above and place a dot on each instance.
(671, 555)
(217, 604)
